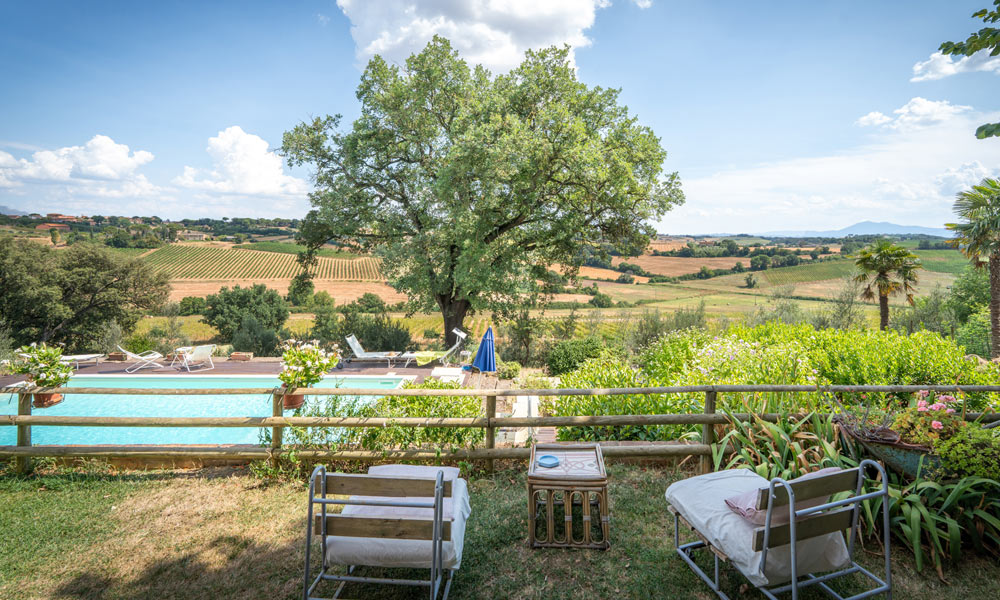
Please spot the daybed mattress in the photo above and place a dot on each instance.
(384, 552)
(701, 501)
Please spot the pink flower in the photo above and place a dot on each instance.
(938, 406)
(950, 410)
(921, 403)
(945, 398)
(936, 425)
(923, 393)
(922, 407)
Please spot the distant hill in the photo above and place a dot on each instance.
(6, 210)
(864, 228)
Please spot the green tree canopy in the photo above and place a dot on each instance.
(471, 186)
(978, 237)
(227, 309)
(886, 269)
(68, 296)
(986, 39)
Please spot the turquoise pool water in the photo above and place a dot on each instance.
(85, 405)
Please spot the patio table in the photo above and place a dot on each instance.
(554, 494)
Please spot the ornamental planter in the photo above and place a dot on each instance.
(46, 400)
(290, 401)
(241, 356)
(905, 459)
(116, 357)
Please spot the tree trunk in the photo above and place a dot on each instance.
(994, 305)
(454, 312)
(883, 312)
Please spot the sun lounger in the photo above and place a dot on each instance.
(764, 555)
(76, 359)
(146, 360)
(197, 356)
(360, 354)
(396, 516)
(427, 357)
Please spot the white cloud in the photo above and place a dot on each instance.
(939, 66)
(907, 171)
(918, 112)
(242, 165)
(322, 19)
(643, 3)
(100, 158)
(488, 32)
(873, 118)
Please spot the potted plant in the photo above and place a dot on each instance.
(905, 440)
(303, 364)
(43, 366)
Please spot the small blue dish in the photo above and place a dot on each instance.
(548, 461)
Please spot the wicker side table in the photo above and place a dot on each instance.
(579, 481)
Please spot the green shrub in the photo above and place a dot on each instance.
(974, 334)
(300, 290)
(569, 354)
(611, 372)
(972, 451)
(139, 343)
(387, 438)
(377, 333)
(508, 369)
(252, 336)
(191, 305)
(227, 309)
(601, 300)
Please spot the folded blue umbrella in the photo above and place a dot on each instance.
(486, 360)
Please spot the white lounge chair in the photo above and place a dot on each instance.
(146, 360)
(396, 516)
(197, 356)
(361, 354)
(76, 359)
(801, 542)
(445, 357)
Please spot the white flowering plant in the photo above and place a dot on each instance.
(42, 364)
(305, 363)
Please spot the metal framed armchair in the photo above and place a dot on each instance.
(403, 516)
(800, 544)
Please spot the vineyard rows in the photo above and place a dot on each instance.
(203, 262)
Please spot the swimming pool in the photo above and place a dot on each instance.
(85, 405)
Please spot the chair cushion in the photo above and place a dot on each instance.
(700, 500)
(385, 552)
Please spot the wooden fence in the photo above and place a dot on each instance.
(24, 420)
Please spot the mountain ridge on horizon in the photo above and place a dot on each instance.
(859, 228)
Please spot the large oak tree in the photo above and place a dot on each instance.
(471, 186)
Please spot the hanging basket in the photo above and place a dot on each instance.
(290, 401)
(46, 400)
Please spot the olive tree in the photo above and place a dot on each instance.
(470, 186)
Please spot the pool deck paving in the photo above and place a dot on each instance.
(224, 366)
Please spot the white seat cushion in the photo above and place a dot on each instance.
(701, 501)
(385, 552)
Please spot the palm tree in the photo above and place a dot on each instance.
(978, 237)
(886, 269)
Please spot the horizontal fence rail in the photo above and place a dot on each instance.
(721, 389)
(24, 420)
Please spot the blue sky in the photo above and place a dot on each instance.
(778, 115)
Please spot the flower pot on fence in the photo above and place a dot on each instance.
(46, 400)
(905, 459)
(290, 401)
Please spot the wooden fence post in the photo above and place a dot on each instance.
(277, 406)
(491, 413)
(22, 464)
(708, 431)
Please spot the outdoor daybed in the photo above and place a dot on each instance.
(405, 516)
(746, 520)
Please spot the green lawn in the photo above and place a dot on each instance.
(293, 248)
(943, 261)
(219, 534)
